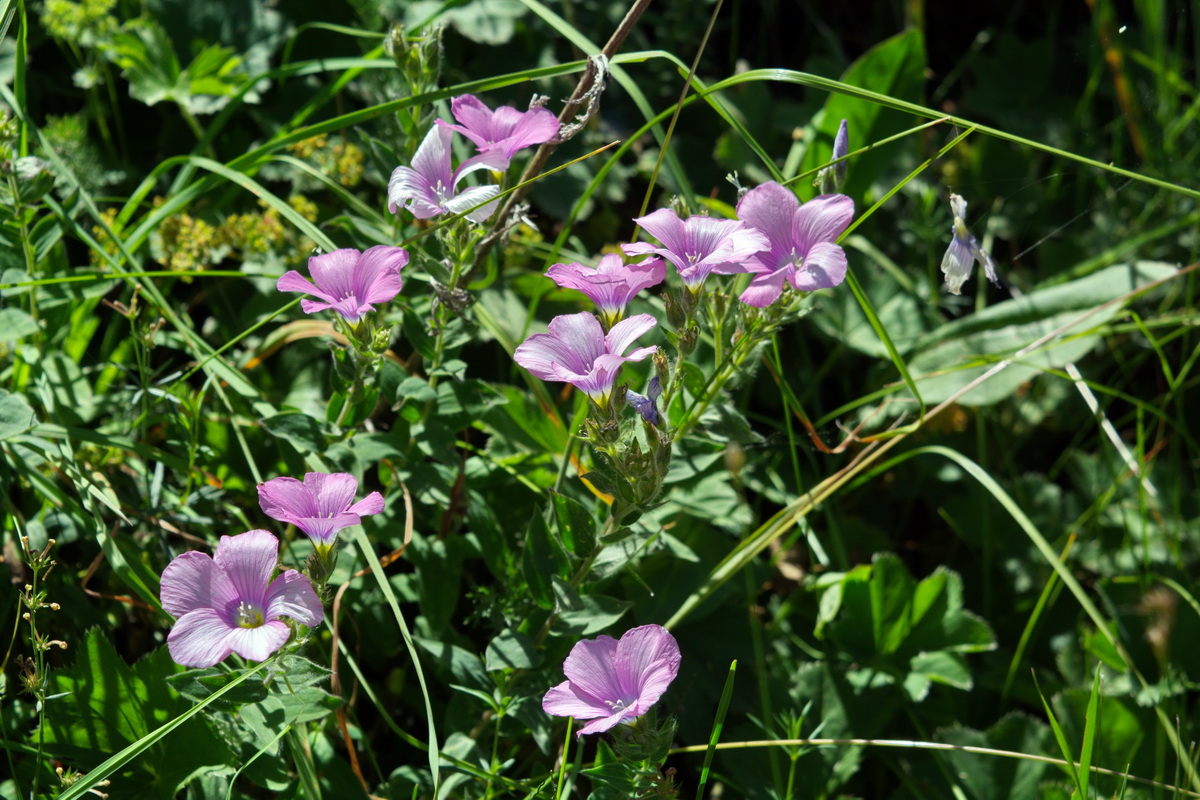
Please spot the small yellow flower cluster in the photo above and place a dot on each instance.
(252, 234)
(343, 161)
(186, 243)
(67, 19)
(106, 242)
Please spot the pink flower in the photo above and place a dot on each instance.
(348, 281)
(503, 131)
(610, 681)
(430, 186)
(577, 351)
(803, 249)
(320, 506)
(699, 246)
(611, 284)
(229, 604)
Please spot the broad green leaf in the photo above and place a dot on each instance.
(897, 629)
(16, 416)
(987, 778)
(961, 351)
(575, 525)
(298, 429)
(512, 650)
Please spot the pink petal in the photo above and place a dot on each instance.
(580, 334)
(626, 331)
(601, 725)
(822, 219)
(567, 700)
(313, 306)
(771, 208)
(248, 560)
(192, 581)
(542, 353)
(666, 226)
(257, 644)
(200, 638)
(409, 190)
(371, 504)
(536, 126)
(471, 197)
(590, 669)
(286, 499)
(332, 493)
(766, 288)
(377, 277)
(475, 118)
(292, 595)
(647, 660)
(333, 272)
(823, 268)
(432, 159)
(293, 281)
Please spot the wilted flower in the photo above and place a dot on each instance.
(348, 281)
(699, 245)
(577, 351)
(429, 187)
(611, 284)
(610, 681)
(229, 604)
(647, 405)
(803, 240)
(964, 248)
(503, 131)
(320, 506)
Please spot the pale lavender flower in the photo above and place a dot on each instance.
(430, 186)
(229, 604)
(963, 250)
(803, 240)
(699, 245)
(320, 506)
(647, 404)
(347, 281)
(611, 284)
(577, 351)
(610, 681)
(503, 131)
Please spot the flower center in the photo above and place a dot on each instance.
(247, 615)
(617, 706)
(796, 259)
(442, 191)
(693, 257)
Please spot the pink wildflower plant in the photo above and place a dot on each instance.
(611, 284)
(503, 131)
(803, 241)
(228, 603)
(347, 281)
(578, 351)
(320, 505)
(699, 245)
(429, 186)
(611, 681)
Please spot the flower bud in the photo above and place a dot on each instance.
(687, 341)
(661, 369)
(676, 317)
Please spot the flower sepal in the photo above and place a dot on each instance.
(643, 740)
